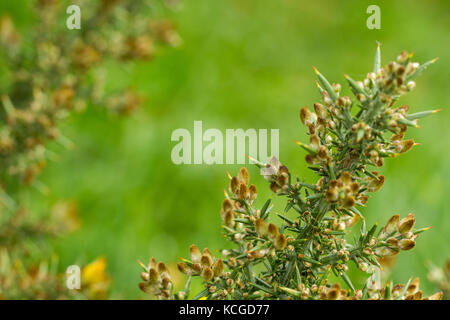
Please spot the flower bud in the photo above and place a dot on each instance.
(406, 224)
(244, 176)
(229, 219)
(375, 184)
(244, 193)
(393, 241)
(234, 185)
(181, 295)
(183, 268)
(197, 267)
(349, 202)
(436, 296)
(253, 192)
(153, 276)
(206, 261)
(166, 283)
(261, 227)
(410, 85)
(195, 254)
(320, 111)
(280, 242)
(218, 268)
(334, 292)
(314, 142)
(306, 116)
(413, 286)
(331, 195)
(145, 276)
(391, 226)
(226, 204)
(207, 274)
(162, 269)
(337, 87)
(273, 230)
(363, 266)
(406, 244)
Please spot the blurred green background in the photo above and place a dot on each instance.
(243, 64)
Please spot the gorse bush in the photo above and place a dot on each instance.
(62, 71)
(50, 72)
(296, 260)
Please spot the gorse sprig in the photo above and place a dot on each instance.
(347, 138)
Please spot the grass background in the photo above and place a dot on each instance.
(243, 64)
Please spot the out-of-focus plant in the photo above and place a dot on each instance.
(441, 277)
(39, 279)
(297, 259)
(51, 71)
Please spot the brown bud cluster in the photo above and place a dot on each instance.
(203, 264)
(240, 192)
(156, 280)
(343, 191)
(398, 235)
(271, 231)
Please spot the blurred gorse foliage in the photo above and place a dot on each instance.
(295, 260)
(50, 72)
(441, 277)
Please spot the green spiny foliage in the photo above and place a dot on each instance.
(295, 260)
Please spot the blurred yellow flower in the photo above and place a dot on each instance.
(95, 280)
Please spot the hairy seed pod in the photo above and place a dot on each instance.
(436, 296)
(253, 192)
(273, 230)
(306, 116)
(152, 264)
(261, 227)
(234, 185)
(162, 268)
(197, 267)
(391, 226)
(407, 244)
(244, 193)
(333, 294)
(393, 241)
(226, 204)
(275, 187)
(406, 224)
(218, 268)
(166, 283)
(183, 268)
(153, 276)
(280, 242)
(413, 286)
(331, 195)
(145, 276)
(229, 218)
(195, 254)
(244, 176)
(146, 287)
(314, 142)
(207, 274)
(206, 261)
(349, 202)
